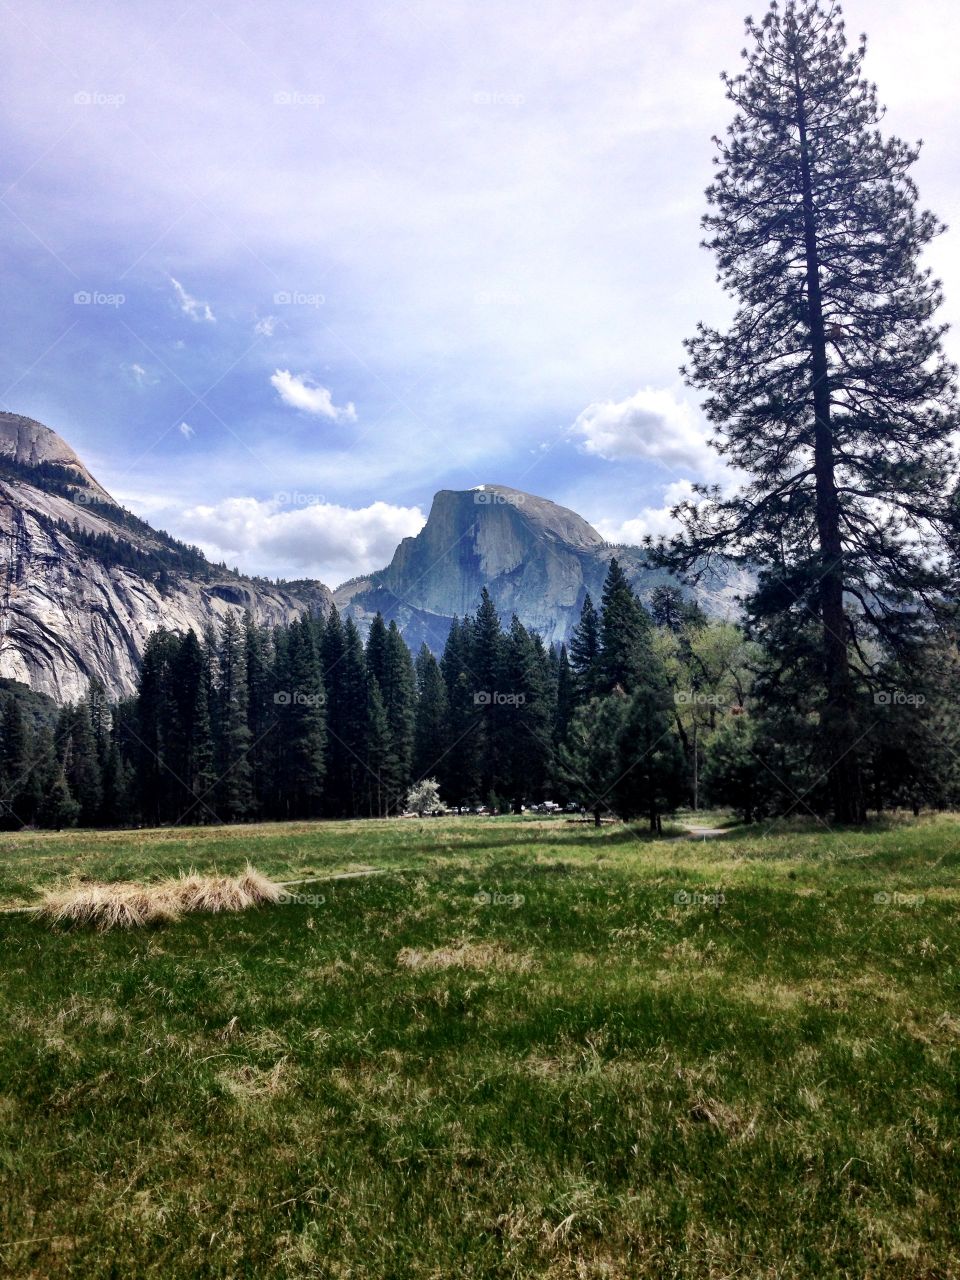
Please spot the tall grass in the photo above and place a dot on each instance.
(543, 1051)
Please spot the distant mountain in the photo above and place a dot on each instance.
(538, 560)
(83, 582)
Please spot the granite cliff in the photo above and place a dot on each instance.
(537, 559)
(83, 582)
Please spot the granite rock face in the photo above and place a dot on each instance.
(72, 606)
(66, 612)
(537, 559)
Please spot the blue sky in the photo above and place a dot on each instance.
(339, 257)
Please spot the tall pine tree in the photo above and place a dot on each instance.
(585, 650)
(625, 639)
(830, 389)
(430, 729)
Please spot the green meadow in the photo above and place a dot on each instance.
(526, 1048)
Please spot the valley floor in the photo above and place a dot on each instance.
(532, 1049)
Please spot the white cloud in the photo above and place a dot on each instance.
(300, 391)
(314, 539)
(652, 521)
(266, 326)
(191, 306)
(651, 424)
(186, 430)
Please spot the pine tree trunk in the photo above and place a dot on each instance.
(837, 720)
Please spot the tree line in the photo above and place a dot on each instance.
(649, 707)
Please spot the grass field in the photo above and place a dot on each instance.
(517, 1054)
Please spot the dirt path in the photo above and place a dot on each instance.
(701, 833)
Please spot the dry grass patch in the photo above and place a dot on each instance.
(249, 1083)
(466, 955)
(196, 892)
(130, 905)
(111, 906)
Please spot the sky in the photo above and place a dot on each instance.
(280, 272)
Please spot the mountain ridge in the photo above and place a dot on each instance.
(537, 558)
(84, 582)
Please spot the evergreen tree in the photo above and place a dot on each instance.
(399, 698)
(354, 724)
(151, 731)
(486, 666)
(566, 696)
(14, 765)
(670, 609)
(376, 650)
(733, 774)
(585, 651)
(190, 754)
(430, 730)
(301, 724)
(121, 782)
(233, 787)
(380, 760)
(590, 758)
(117, 810)
(81, 765)
(332, 656)
(277, 696)
(830, 389)
(56, 807)
(101, 719)
(527, 720)
(652, 776)
(624, 635)
(261, 712)
(458, 769)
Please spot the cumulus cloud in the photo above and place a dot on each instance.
(651, 424)
(191, 306)
(266, 326)
(186, 430)
(291, 535)
(300, 391)
(652, 521)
